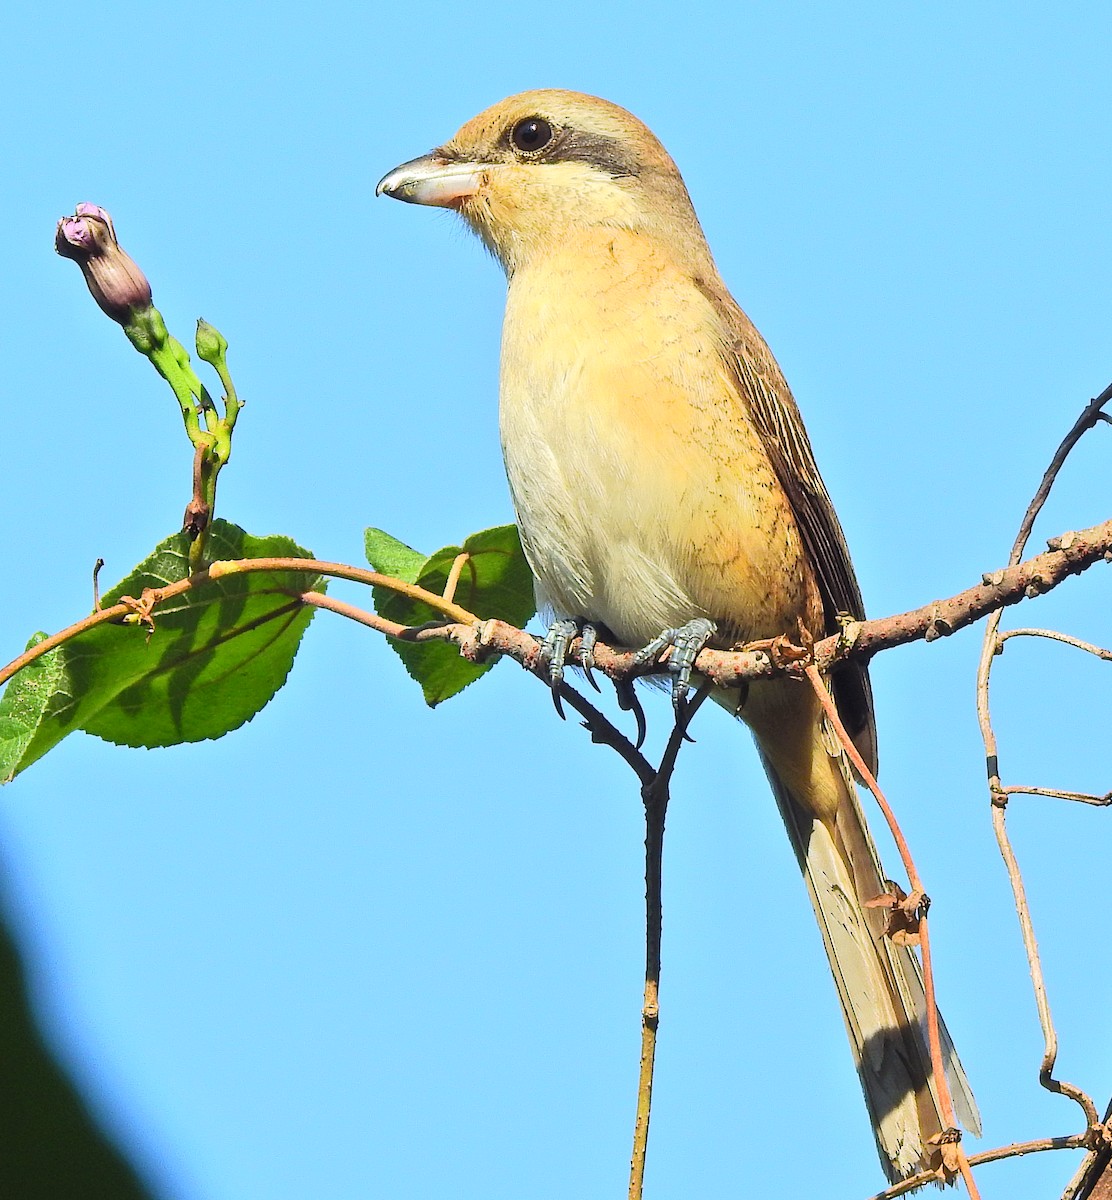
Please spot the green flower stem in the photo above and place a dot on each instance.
(212, 348)
(213, 441)
(124, 294)
(167, 363)
(147, 332)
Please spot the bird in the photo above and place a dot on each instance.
(663, 482)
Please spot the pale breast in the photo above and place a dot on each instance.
(642, 490)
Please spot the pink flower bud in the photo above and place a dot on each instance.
(116, 283)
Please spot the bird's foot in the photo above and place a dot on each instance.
(684, 642)
(554, 653)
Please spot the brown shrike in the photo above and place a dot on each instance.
(663, 480)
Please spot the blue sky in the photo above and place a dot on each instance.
(362, 949)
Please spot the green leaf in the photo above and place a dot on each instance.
(388, 556)
(24, 707)
(216, 657)
(495, 582)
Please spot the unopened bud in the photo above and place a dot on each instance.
(116, 283)
(211, 343)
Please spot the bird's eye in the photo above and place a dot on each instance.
(534, 133)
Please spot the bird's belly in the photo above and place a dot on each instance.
(597, 546)
(643, 493)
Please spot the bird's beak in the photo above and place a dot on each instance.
(432, 180)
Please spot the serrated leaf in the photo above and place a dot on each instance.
(23, 707)
(495, 581)
(216, 657)
(388, 556)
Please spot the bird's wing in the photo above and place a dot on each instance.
(763, 390)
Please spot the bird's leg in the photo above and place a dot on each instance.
(685, 643)
(554, 653)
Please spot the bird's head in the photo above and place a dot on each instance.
(531, 171)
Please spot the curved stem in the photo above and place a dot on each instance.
(219, 570)
(1054, 636)
(990, 647)
(454, 612)
(934, 1038)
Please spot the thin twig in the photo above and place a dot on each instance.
(1015, 789)
(1093, 1172)
(96, 583)
(452, 582)
(1073, 1141)
(990, 648)
(655, 793)
(1054, 636)
(240, 566)
(100, 617)
(1100, 801)
(934, 1039)
(371, 619)
(1090, 416)
(219, 570)
(1034, 963)
(605, 732)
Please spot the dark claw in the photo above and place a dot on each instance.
(554, 651)
(629, 702)
(686, 642)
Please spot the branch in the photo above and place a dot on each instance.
(1068, 555)
(1074, 1141)
(1093, 1180)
